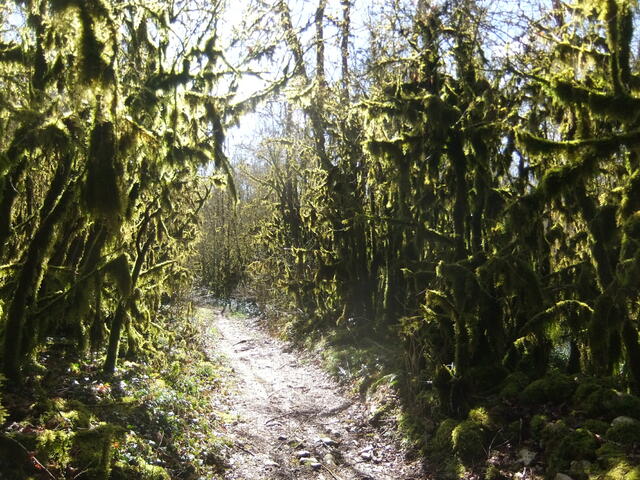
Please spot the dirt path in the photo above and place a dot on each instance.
(289, 420)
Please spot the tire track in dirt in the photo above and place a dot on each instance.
(289, 420)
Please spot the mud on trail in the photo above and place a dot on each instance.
(287, 419)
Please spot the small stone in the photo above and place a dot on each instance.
(366, 455)
(303, 454)
(328, 442)
(329, 459)
(282, 438)
(271, 463)
(315, 465)
(308, 460)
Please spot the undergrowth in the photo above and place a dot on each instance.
(150, 421)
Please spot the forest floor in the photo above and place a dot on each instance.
(288, 419)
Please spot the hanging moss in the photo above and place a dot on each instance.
(631, 199)
(119, 269)
(93, 65)
(617, 106)
(102, 191)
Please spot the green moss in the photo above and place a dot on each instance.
(596, 426)
(440, 451)
(623, 471)
(610, 454)
(553, 433)
(555, 387)
(494, 473)
(93, 449)
(589, 385)
(480, 416)
(468, 442)
(610, 403)
(513, 385)
(625, 432)
(141, 471)
(537, 425)
(53, 446)
(441, 441)
(78, 414)
(579, 444)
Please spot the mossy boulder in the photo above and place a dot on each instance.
(513, 385)
(579, 444)
(537, 425)
(468, 442)
(625, 431)
(441, 440)
(610, 403)
(440, 451)
(555, 387)
(553, 433)
(588, 385)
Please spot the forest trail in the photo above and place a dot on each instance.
(285, 406)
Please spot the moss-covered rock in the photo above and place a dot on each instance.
(588, 385)
(536, 426)
(440, 451)
(441, 441)
(610, 403)
(555, 387)
(513, 385)
(579, 444)
(468, 442)
(599, 427)
(553, 433)
(626, 431)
